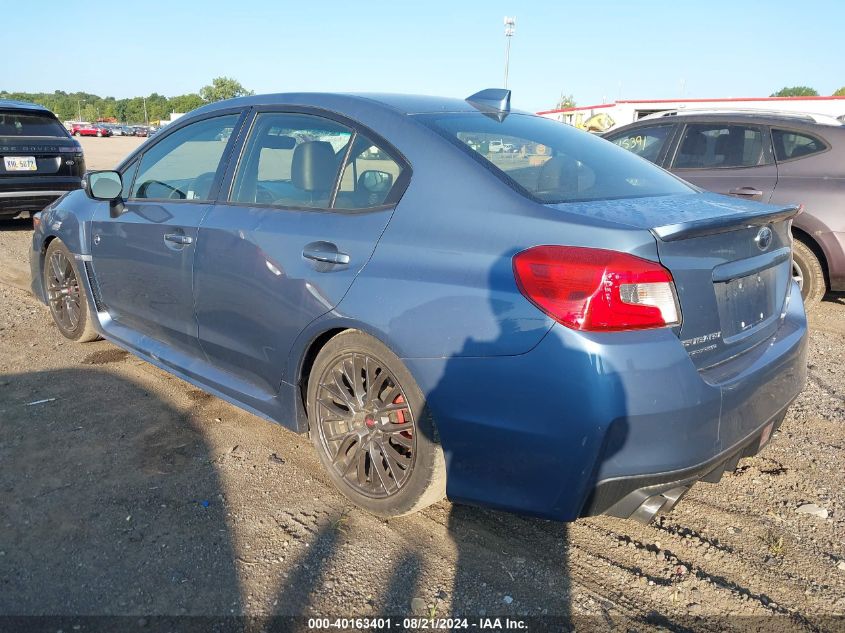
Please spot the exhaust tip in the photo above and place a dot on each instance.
(664, 501)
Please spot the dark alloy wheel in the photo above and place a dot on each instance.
(65, 296)
(366, 425)
(371, 427)
(63, 291)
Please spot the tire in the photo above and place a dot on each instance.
(377, 464)
(77, 133)
(808, 272)
(99, 134)
(65, 295)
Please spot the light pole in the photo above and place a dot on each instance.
(79, 110)
(510, 29)
(146, 119)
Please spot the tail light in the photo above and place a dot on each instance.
(596, 289)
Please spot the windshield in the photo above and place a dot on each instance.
(17, 123)
(553, 162)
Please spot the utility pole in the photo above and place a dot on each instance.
(510, 29)
(79, 110)
(146, 119)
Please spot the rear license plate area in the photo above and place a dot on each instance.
(747, 301)
(20, 163)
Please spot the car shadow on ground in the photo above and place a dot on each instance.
(104, 514)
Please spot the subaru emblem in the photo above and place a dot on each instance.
(764, 238)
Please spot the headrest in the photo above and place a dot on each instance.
(275, 141)
(313, 167)
(694, 143)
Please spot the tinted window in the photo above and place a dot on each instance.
(24, 124)
(644, 142)
(551, 161)
(182, 165)
(789, 144)
(291, 160)
(368, 177)
(708, 146)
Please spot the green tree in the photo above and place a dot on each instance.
(223, 88)
(840, 92)
(185, 103)
(565, 101)
(796, 91)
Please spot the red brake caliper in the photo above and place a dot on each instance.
(400, 415)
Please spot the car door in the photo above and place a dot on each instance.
(307, 203)
(142, 254)
(730, 158)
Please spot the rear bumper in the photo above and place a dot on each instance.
(642, 496)
(16, 199)
(554, 432)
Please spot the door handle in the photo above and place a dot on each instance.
(749, 192)
(178, 238)
(325, 252)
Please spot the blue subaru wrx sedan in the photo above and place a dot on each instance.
(450, 297)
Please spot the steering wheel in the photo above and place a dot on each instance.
(175, 192)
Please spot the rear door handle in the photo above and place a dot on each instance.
(178, 238)
(748, 192)
(325, 252)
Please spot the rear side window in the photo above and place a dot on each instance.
(644, 142)
(291, 160)
(368, 178)
(17, 123)
(789, 144)
(710, 146)
(553, 162)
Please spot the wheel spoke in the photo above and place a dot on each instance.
(56, 268)
(332, 406)
(405, 441)
(361, 470)
(392, 428)
(376, 461)
(344, 447)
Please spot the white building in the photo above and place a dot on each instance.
(600, 118)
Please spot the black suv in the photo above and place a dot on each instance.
(39, 161)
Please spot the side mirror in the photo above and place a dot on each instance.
(103, 185)
(375, 181)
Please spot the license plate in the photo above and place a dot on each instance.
(746, 302)
(20, 163)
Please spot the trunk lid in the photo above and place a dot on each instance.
(730, 259)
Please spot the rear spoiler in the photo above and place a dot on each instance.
(723, 224)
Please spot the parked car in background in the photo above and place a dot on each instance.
(90, 129)
(119, 130)
(776, 158)
(579, 331)
(39, 161)
(140, 130)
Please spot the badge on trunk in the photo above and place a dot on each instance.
(764, 238)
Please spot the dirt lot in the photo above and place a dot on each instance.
(128, 491)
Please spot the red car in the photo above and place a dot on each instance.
(90, 129)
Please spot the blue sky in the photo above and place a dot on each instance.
(595, 50)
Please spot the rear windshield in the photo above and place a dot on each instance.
(553, 162)
(17, 123)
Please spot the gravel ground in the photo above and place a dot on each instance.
(127, 491)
